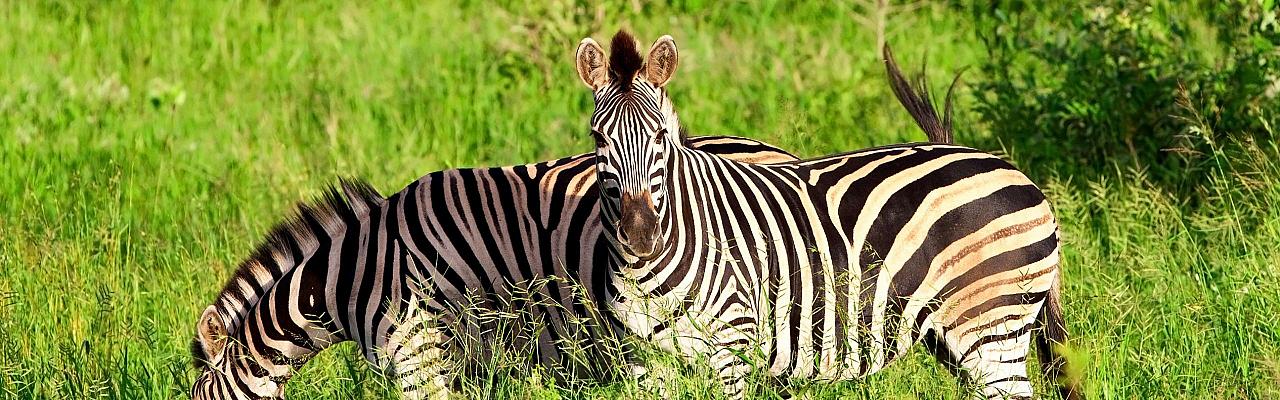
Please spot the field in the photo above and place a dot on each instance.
(146, 148)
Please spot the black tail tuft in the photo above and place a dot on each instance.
(915, 97)
(1052, 363)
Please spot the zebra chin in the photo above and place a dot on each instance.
(640, 241)
(649, 253)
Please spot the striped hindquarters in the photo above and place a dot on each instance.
(947, 240)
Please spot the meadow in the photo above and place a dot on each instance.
(145, 148)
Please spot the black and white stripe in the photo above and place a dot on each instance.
(828, 268)
(399, 276)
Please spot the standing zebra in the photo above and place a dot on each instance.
(828, 268)
(397, 275)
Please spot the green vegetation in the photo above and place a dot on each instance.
(145, 148)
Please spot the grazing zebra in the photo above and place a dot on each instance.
(396, 275)
(828, 268)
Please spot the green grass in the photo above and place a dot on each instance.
(145, 148)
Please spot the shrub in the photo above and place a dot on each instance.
(1072, 88)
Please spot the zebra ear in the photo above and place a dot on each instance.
(662, 61)
(592, 65)
(212, 332)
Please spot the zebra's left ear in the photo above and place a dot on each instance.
(662, 61)
(212, 332)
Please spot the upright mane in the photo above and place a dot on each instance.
(288, 241)
(624, 59)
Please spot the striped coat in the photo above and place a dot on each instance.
(425, 281)
(828, 268)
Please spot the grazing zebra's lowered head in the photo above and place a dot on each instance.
(228, 370)
(632, 112)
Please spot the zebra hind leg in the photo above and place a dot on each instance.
(993, 361)
(997, 364)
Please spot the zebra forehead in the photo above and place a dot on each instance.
(626, 105)
(640, 92)
(614, 126)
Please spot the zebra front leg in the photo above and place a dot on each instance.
(426, 375)
(655, 380)
(651, 380)
(420, 363)
(733, 348)
(733, 369)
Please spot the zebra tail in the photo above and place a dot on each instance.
(915, 97)
(1052, 362)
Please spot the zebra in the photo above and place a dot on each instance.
(828, 268)
(395, 275)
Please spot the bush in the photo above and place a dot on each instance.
(1117, 85)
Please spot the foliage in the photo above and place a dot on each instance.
(1092, 86)
(146, 146)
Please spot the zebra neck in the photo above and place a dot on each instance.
(284, 329)
(676, 180)
(308, 307)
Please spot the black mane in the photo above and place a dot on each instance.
(351, 199)
(624, 59)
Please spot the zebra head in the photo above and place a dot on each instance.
(228, 369)
(631, 124)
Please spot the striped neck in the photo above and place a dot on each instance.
(294, 319)
(292, 243)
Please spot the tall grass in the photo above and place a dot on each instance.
(144, 148)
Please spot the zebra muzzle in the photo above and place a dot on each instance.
(638, 226)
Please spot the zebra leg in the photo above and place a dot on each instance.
(726, 356)
(732, 371)
(424, 374)
(419, 360)
(733, 375)
(651, 380)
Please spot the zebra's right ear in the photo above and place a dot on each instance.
(212, 332)
(592, 65)
(662, 61)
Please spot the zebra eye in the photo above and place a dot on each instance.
(599, 137)
(657, 139)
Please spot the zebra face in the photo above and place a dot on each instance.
(631, 122)
(228, 370)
